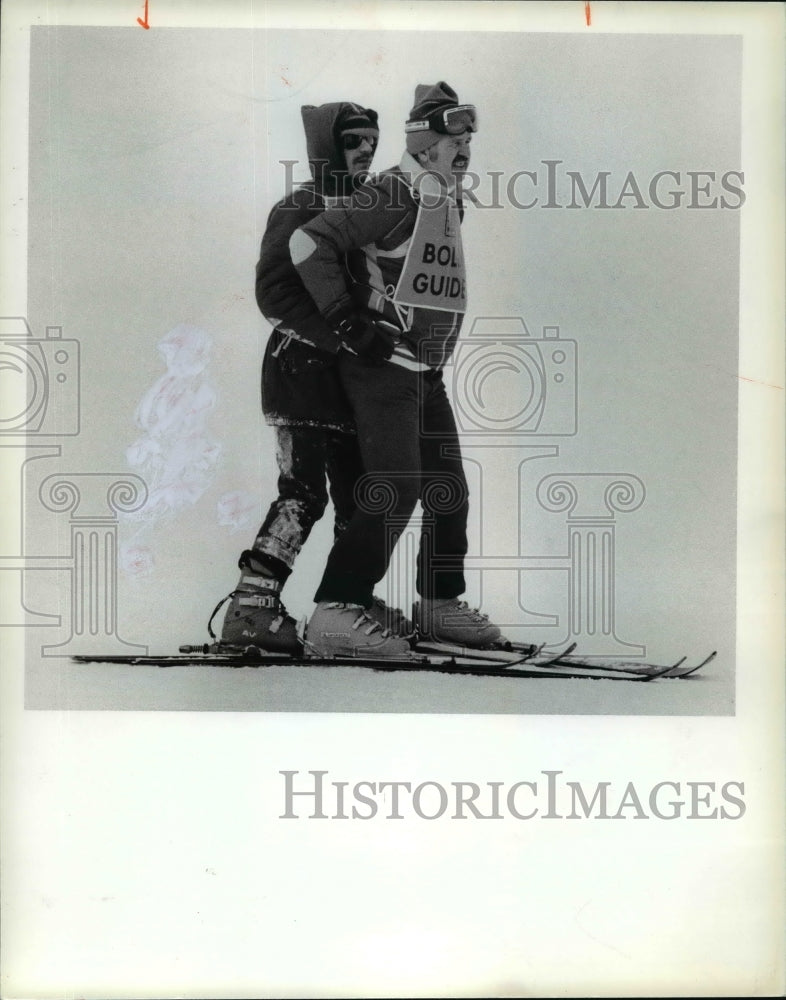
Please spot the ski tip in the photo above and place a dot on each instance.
(663, 672)
(683, 672)
(709, 659)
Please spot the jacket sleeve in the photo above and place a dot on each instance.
(280, 292)
(318, 248)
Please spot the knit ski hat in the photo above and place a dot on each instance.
(355, 118)
(428, 98)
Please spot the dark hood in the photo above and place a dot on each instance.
(325, 154)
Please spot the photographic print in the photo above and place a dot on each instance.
(588, 375)
(390, 404)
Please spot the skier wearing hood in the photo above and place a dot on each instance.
(400, 239)
(301, 395)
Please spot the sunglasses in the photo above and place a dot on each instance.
(448, 121)
(353, 141)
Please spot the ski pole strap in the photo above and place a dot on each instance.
(216, 609)
(288, 338)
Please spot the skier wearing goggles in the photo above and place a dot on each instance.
(400, 237)
(447, 121)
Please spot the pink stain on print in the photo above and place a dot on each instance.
(137, 560)
(174, 453)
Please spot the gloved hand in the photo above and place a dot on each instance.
(365, 334)
(297, 357)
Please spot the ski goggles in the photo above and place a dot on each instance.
(354, 140)
(448, 121)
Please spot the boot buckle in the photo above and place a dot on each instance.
(257, 601)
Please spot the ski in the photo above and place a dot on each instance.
(675, 670)
(504, 652)
(561, 664)
(440, 661)
(570, 659)
(567, 657)
(681, 671)
(508, 659)
(649, 670)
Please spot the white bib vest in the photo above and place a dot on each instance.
(434, 276)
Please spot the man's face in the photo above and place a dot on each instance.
(449, 157)
(359, 146)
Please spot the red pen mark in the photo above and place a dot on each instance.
(756, 381)
(144, 23)
(588, 14)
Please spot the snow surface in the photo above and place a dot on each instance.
(59, 683)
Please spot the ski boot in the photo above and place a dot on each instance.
(452, 621)
(256, 617)
(393, 619)
(346, 630)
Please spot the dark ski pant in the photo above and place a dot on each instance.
(410, 451)
(305, 455)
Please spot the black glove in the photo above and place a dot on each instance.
(365, 334)
(299, 357)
